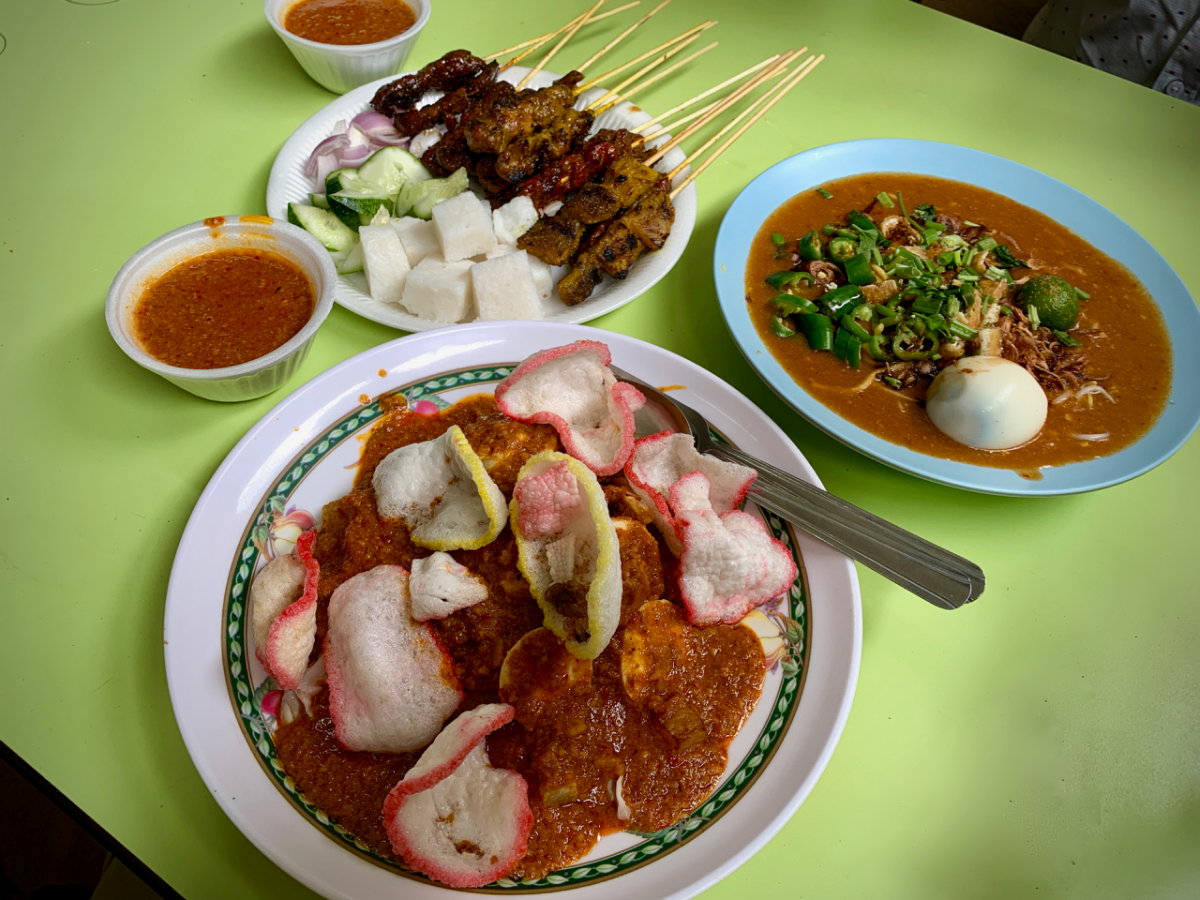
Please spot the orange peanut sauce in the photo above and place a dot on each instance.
(349, 21)
(664, 728)
(1128, 349)
(223, 308)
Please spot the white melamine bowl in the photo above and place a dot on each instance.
(343, 67)
(232, 383)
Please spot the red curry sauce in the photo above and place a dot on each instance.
(223, 308)
(577, 730)
(349, 21)
(1128, 349)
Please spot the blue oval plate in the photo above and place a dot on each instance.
(1064, 204)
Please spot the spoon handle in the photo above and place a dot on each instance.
(929, 571)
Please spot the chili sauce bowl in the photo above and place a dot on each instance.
(343, 67)
(247, 380)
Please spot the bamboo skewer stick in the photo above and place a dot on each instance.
(649, 67)
(542, 39)
(618, 97)
(647, 83)
(620, 37)
(728, 127)
(566, 37)
(796, 79)
(667, 129)
(778, 69)
(612, 73)
(712, 90)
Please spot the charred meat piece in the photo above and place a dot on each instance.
(578, 284)
(485, 173)
(451, 71)
(528, 154)
(449, 106)
(593, 203)
(574, 170)
(450, 153)
(552, 239)
(650, 219)
(617, 250)
(524, 113)
(628, 178)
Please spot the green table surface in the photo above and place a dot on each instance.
(1044, 741)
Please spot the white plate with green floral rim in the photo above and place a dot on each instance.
(287, 183)
(303, 453)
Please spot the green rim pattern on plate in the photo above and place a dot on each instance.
(258, 726)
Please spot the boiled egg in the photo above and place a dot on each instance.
(987, 402)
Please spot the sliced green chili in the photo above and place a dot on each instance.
(848, 322)
(780, 280)
(877, 347)
(841, 249)
(810, 247)
(790, 304)
(829, 230)
(817, 330)
(858, 269)
(781, 328)
(847, 347)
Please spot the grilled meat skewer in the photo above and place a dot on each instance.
(453, 70)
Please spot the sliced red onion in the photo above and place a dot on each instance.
(329, 147)
(379, 127)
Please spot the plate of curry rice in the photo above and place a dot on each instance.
(288, 183)
(314, 807)
(916, 254)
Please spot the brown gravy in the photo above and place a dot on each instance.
(349, 21)
(1131, 352)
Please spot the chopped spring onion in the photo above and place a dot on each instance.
(849, 323)
(778, 239)
(1067, 341)
(824, 193)
(891, 382)
(1082, 294)
(958, 329)
(1034, 319)
(952, 241)
(986, 243)
(927, 306)
(884, 199)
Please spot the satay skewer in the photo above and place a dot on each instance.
(614, 96)
(620, 37)
(778, 69)
(729, 126)
(612, 73)
(712, 90)
(540, 40)
(562, 43)
(796, 79)
(667, 129)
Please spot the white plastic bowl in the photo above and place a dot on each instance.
(343, 67)
(232, 383)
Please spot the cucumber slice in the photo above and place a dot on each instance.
(391, 168)
(349, 262)
(341, 179)
(356, 206)
(418, 197)
(319, 201)
(324, 226)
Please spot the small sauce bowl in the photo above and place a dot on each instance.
(250, 379)
(343, 67)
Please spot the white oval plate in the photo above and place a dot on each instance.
(303, 454)
(288, 184)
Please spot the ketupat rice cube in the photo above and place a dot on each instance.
(464, 227)
(385, 264)
(440, 291)
(418, 237)
(504, 288)
(543, 277)
(513, 219)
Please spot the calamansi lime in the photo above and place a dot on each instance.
(1056, 302)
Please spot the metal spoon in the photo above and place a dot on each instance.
(929, 571)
